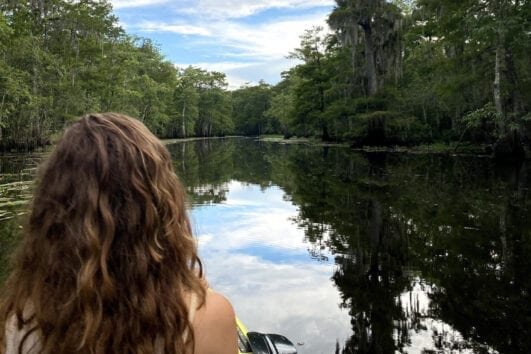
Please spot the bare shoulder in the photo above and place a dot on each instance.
(215, 326)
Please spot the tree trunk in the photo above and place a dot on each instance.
(498, 101)
(372, 81)
(326, 135)
(517, 102)
(42, 9)
(1, 110)
(183, 155)
(353, 48)
(503, 238)
(399, 49)
(183, 128)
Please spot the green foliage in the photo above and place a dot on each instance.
(185, 103)
(64, 59)
(214, 113)
(367, 104)
(432, 74)
(392, 72)
(249, 107)
(480, 117)
(280, 112)
(201, 105)
(387, 128)
(309, 89)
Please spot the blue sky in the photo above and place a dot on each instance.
(246, 39)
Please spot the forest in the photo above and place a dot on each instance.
(386, 73)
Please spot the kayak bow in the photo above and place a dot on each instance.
(259, 343)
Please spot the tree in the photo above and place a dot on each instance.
(380, 23)
(495, 33)
(186, 99)
(62, 59)
(282, 102)
(309, 103)
(214, 117)
(249, 107)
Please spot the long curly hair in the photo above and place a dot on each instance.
(107, 257)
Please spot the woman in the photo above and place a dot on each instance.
(108, 263)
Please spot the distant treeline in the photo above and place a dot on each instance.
(389, 73)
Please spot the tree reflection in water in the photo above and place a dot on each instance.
(431, 247)
(461, 223)
(421, 243)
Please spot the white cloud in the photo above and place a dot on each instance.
(258, 51)
(294, 297)
(298, 301)
(236, 81)
(230, 69)
(248, 211)
(271, 40)
(246, 51)
(222, 10)
(222, 66)
(119, 4)
(186, 29)
(242, 8)
(245, 73)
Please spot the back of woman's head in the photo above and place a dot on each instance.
(108, 251)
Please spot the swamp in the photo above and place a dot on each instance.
(350, 252)
(358, 171)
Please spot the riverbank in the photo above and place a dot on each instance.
(452, 148)
(184, 140)
(436, 148)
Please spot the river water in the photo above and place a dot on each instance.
(350, 252)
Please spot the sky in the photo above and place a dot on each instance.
(248, 40)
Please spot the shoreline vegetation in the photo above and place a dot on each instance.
(417, 76)
(435, 148)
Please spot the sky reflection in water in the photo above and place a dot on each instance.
(255, 255)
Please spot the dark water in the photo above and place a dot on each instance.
(347, 252)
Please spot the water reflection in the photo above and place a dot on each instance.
(16, 181)
(431, 253)
(253, 254)
(353, 253)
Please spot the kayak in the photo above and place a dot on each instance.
(244, 346)
(260, 343)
